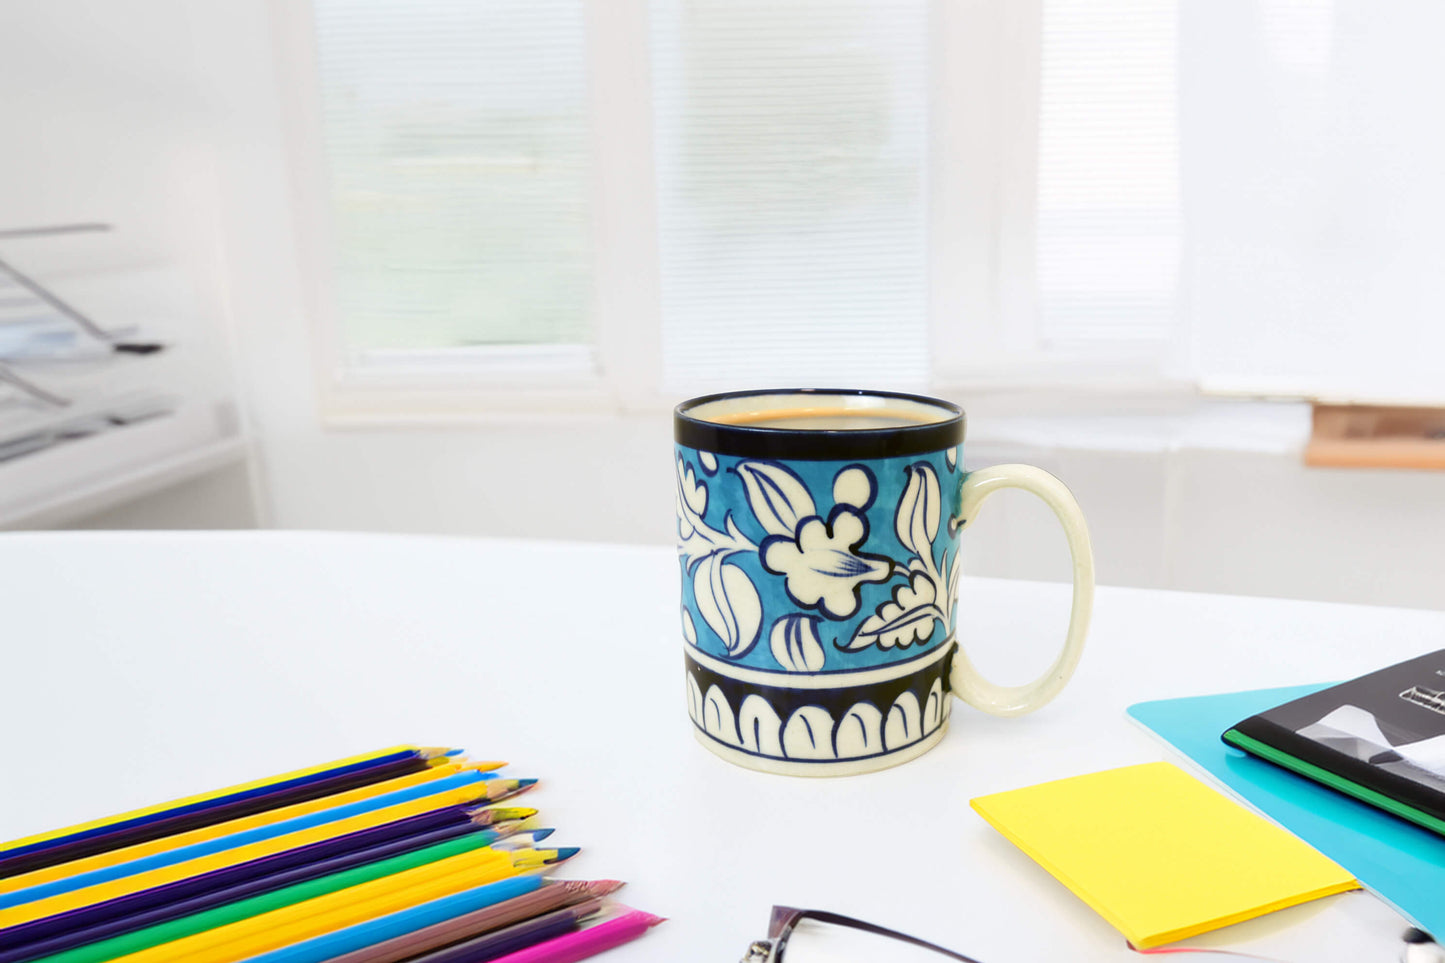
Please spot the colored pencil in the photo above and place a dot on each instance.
(164, 827)
(71, 936)
(110, 889)
(126, 854)
(408, 943)
(219, 879)
(382, 857)
(436, 861)
(487, 815)
(220, 844)
(250, 937)
(479, 899)
(510, 939)
(206, 800)
(588, 941)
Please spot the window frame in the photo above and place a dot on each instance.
(481, 385)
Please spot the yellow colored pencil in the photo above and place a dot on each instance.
(167, 843)
(100, 892)
(213, 794)
(334, 911)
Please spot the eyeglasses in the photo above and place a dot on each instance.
(817, 936)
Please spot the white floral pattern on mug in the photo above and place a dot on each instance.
(821, 563)
(910, 615)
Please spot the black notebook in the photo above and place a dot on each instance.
(1380, 738)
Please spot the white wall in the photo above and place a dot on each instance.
(104, 121)
(1167, 509)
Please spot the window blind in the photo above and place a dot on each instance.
(791, 153)
(1108, 216)
(456, 132)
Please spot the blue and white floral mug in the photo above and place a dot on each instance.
(818, 540)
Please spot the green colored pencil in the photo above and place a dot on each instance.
(209, 919)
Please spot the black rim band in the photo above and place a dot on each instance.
(816, 444)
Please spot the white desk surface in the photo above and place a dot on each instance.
(138, 667)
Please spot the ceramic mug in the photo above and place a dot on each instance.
(818, 541)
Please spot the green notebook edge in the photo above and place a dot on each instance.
(1335, 781)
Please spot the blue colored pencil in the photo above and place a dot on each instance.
(223, 843)
(362, 935)
(72, 936)
(11, 855)
(169, 825)
(85, 916)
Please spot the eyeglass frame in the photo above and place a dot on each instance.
(784, 920)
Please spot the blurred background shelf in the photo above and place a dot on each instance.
(75, 478)
(1377, 436)
(114, 376)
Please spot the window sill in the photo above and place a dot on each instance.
(1086, 418)
(1257, 427)
(66, 481)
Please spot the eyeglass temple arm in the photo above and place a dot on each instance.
(786, 917)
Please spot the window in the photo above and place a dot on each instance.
(616, 204)
(791, 144)
(458, 152)
(1108, 232)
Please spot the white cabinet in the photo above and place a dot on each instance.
(84, 426)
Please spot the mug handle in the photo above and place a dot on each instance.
(967, 683)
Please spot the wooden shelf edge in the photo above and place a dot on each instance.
(1376, 436)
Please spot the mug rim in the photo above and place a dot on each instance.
(817, 444)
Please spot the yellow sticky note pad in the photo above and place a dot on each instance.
(1158, 854)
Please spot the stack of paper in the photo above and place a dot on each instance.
(1159, 855)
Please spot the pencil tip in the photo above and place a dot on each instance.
(491, 815)
(495, 790)
(565, 852)
(512, 787)
(604, 887)
(540, 834)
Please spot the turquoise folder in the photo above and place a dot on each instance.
(1400, 862)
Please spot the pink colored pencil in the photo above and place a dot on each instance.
(586, 942)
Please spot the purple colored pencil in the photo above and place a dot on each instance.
(218, 879)
(185, 822)
(510, 939)
(14, 856)
(555, 894)
(80, 936)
